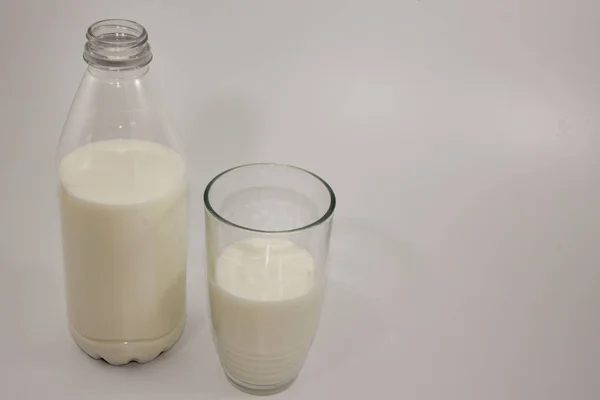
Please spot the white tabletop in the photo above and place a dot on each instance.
(462, 139)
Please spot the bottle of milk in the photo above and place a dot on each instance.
(123, 200)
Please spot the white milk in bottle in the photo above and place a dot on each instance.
(123, 209)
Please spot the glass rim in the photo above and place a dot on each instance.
(318, 221)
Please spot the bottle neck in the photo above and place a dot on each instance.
(117, 45)
(109, 74)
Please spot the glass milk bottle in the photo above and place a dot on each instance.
(123, 200)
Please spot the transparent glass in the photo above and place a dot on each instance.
(123, 199)
(267, 240)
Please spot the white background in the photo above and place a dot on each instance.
(462, 138)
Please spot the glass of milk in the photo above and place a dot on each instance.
(267, 240)
(123, 202)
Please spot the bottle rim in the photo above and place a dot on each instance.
(117, 44)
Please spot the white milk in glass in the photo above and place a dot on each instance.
(123, 208)
(265, 304)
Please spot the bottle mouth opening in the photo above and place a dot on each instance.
(117, 33)
(117, 44)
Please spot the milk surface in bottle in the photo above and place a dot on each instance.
(123, 204)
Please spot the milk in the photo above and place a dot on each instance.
(265, 303)
(123, 209)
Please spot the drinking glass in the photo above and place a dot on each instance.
(267, 240)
